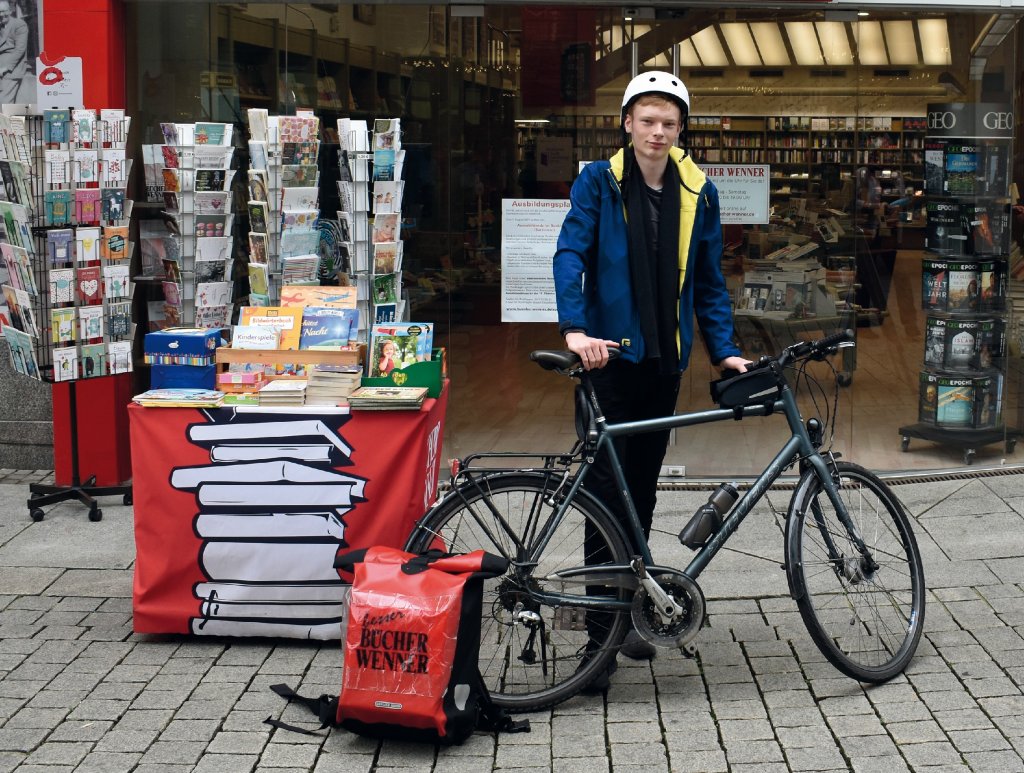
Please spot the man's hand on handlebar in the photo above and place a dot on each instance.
(739, 364)
(593, 352)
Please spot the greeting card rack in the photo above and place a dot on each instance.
(66, 253)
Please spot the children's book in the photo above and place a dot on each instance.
(325, 327)
(397, 346)
(63, 325)
(88, 286)
(255, 337)
(61, 286)
(287, 319)
(312, 295)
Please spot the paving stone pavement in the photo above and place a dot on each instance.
(79, 691)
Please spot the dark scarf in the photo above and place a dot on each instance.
(655, 277)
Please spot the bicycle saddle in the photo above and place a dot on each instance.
(555, 359)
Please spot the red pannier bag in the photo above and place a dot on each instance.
(411, 645)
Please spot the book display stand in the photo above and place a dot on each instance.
(964, 282)
(193, 252)
(66, 258)
(283, 203)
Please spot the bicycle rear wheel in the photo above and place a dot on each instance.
(866, 621)
(532, 654)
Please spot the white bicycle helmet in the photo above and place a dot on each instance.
(656, 82)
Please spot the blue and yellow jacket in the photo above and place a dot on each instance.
(592, 277)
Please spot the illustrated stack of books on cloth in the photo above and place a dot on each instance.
(378, 398)
(180, 398)
(332, 384)
(284, 392)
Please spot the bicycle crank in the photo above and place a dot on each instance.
(680, 629)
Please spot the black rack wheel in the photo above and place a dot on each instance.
(905, 443)
(968, 456)
(127, 498)
(95, 514)
(37, 514)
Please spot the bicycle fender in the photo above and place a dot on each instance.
(805, 489)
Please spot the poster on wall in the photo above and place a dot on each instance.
(743, 191)
(529, 230)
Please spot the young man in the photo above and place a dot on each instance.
(638, 256)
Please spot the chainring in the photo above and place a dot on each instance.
(679, 631)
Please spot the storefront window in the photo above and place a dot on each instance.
(843, 114)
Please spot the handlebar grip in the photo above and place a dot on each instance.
(835, 339)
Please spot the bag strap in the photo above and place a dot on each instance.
(325, 708)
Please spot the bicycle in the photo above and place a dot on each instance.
(555, 620)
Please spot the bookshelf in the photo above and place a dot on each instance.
(796, 147)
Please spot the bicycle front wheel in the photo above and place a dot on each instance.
(533, 653)
(865, 614)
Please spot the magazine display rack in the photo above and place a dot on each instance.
(283, 182)
(193, 257)
(66, 252)
(964, 281)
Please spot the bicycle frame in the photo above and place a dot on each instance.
(799, 446)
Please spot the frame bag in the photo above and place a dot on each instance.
(410, 649)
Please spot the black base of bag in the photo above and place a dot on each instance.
(490, 718)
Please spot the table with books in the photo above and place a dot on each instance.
(239, 511)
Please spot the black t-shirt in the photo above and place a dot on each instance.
(653, 207)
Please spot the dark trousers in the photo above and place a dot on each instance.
(628, 392)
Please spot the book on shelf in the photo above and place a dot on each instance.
(283, 392)
(325, 327)
(287, 319)
(398, 345)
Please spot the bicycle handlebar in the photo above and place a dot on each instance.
(815, 349)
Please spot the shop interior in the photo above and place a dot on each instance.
(825, 98)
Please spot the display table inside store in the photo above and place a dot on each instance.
(239, 512)
(967, 440)
(770, 335)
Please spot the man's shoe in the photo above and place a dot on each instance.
(600, 684)
(636, 647)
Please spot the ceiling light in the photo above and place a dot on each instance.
(688, 54)
(863, 13)
(934, 41)
(741, 44)
(769, 42)
(899, 38)
(804, 42)
(709, 48)
(870, 43)
(834, 43)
